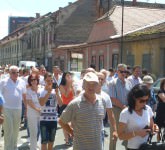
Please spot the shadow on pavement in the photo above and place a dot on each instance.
(24, 146)
(61, 147)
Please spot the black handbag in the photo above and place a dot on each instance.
(152, 145)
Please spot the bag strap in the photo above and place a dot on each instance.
(150, 137)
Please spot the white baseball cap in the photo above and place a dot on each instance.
(91, 77)
(148, 79)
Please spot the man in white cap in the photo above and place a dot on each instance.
(86, 113)
(152, 100)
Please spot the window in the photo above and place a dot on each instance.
(101, 62)
(130, 59)
(162, 61)
(93, 61)
(146, 61)
(115, 59)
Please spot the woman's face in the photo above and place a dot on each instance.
(68, 78)
(33, 81)
(49, 81)
(141, 102)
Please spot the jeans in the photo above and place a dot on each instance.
(48, 131)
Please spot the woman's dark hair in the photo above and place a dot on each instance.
(162, 85)
(137, 91)
(31, 77)
(63, 80)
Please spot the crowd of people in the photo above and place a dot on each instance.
(122, 98)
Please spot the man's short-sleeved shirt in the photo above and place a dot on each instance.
(12, 92)
(134, 81)
(1, 100)
(86, 120)
(119, 90)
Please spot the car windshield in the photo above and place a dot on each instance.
(75, 75)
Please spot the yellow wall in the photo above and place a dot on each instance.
(151, 46)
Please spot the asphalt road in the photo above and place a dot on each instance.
(23, 143)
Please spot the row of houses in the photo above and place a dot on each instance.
(85, 32)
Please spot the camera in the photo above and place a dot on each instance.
(147, 127)
(54, 86)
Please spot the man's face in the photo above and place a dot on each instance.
(43, 71)
(56, 71)
(137, 72)
(101, 79)
(90, 87)
(122, 72)
(14, 74)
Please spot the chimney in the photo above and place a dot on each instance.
(134, 2)
(70, 3)
(37, 15)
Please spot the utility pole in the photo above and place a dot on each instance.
(122, 26)
(17, 48)
(44, 45)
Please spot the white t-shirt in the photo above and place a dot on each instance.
(107, 99)
(135, 122)
(41, 80)
(49, 110)
(32, 95)
(108, 103)
(12, 92)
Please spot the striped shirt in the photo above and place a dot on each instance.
(87, 120)
(134, 81)
(119, 90)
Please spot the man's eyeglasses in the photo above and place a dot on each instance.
(33, 79)
(13, 72)
(122, 71)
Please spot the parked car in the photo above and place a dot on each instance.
(156, 85)
(27, 64)
(75, 75)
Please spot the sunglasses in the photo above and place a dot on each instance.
(101, 79)
(143, 100)
(122, 71)
(49, 80)
(14, 72)
(33, 79)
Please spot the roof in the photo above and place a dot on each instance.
(135, 17)
(135, 20)
(77, 25)
(156, 28)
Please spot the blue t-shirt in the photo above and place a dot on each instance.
(1, 100)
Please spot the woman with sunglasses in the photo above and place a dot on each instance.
(33, 109)
(136, 121)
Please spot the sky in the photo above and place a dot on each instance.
(29, 8)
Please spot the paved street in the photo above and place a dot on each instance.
(59, 142)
